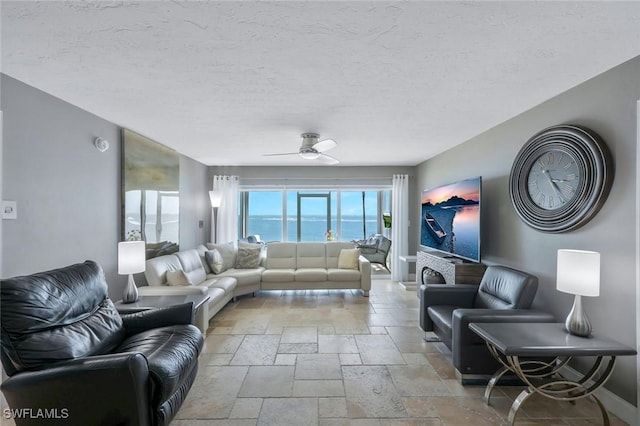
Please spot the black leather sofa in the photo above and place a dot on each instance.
(73, 360)
(504, 295)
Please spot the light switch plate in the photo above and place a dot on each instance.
(9, 209)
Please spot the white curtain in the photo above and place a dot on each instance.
(400, 226)
(226, 216)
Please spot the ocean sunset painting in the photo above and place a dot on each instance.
(450, 220)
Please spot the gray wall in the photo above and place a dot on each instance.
(195, 206)
(68, 193)
(606, 104)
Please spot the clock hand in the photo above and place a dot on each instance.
(553, 185)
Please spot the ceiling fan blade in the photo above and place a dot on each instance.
(327, 159)
(324, 145)
(277, 155)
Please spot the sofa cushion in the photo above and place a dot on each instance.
(177, 278)
(442, 317)
(248, 258)
(243, 276)
(216, 295)
(227, 284)
(348, 259)
(192, 266)
(311, 255)
(311, 274)
(156, 268)
(333, 249)
(228, 253)
(201, 251)
(278, 275)
(281, 256)
(215, 261)
(334, 274)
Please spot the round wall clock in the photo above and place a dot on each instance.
(560, 178)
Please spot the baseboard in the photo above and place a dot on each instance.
(612, 402)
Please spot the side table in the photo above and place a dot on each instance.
(523, 349)
(200, 305)
(405, 279)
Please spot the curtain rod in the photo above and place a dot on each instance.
(321, 178)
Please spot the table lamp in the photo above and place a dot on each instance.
(131, 260)
(578, 274)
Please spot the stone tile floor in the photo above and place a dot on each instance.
(338, 358)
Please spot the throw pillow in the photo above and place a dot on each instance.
(177, 277)
(215, 261)
(201, 250)
(248, 258)
(228, 253)
(348, 259)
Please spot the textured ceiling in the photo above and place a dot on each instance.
(394, 83)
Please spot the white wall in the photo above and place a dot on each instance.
(606, 104)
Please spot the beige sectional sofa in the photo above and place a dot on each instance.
(307, 266)
(285, 266)
(160, 279)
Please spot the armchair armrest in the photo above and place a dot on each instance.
(461, 295)
(138, 322)
(69, 390)
(365, 248)
(166, 290)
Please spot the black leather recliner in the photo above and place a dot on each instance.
(73, 360)
(504, 295)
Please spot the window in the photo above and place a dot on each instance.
(313, 215)
(263, 215)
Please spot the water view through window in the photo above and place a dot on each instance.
(312, 215)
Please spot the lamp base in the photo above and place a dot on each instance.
(130, 294)
(577, 322)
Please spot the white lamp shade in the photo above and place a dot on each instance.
(578, 272)
(216, 198)
(131, 257)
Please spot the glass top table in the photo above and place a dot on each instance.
(536, 352)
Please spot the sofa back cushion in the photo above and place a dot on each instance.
(506, 288)
(333, 249)
(157, 267)
(311, 255)
(192, 266)
(228, 252)
(57, 315)
(281, 256)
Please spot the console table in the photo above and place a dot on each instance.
(144, 303)
(405, 283)
(452, 269)
(510, 342)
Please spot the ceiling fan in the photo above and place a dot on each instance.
(313, 149)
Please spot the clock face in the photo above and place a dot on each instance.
(553, 179)
(560, 178)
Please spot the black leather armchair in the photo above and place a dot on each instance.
(504, 295)
(375, 249)
(73, 360)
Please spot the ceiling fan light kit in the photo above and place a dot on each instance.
(313, 149)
